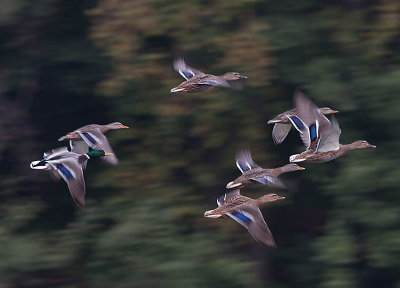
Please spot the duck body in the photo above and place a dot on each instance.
(69, 166)
(255, 176)
(197, 81)
(245, 211)
(311, 156)
(320, 135)
(92, 136)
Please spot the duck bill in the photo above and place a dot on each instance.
(301, 168)
(231, 185)
(371, 146)
(281, 197)
(123, 126)
(334, 112)
(108, 154)
(242, 77)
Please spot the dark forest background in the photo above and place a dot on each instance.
(65, 64)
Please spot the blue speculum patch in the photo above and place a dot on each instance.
(187, 74)
(313, 132)
(297, 122)
(241, 217)
(90, 138)
(243, 166)
(221, 199)
(65, 171)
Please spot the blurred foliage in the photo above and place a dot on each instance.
(65, 64)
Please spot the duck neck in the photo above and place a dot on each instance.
(278, 171)
(348, 147)
(105, 128)
(261, 200)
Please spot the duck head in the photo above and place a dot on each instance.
(292, 167)
(327, 110)
(98, 154)
(270, 198)
(116, 125)
(360, 144)
(233, 76)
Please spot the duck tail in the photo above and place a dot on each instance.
(39, 165)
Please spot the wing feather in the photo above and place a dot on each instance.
(97, 140)
(250, 217)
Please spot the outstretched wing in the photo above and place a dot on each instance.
(186, 71)
(244, 161)
(54, 153)
(330, 142)
(250, 217)
(216, 82)
(79, 147)
(311, 123)
(270, 181)
(71, 171)
(279, 132)
(96, 140)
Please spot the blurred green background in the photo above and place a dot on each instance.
(65, 64)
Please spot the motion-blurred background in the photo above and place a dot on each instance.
(65, 64)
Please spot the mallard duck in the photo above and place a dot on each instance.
(327, 147)
(69, 165)
(197, 81)
(92, 135)
(253, 175)
(282, 122)
(245, 211)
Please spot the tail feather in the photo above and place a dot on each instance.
(40, 165)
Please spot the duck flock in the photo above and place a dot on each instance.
(319, 134)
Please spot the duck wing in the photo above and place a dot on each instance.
(55, 153)
(186, 71)
(214, 81)
(250, 217)
(279, 132)
(330, 142)
(244, 161)
(71, 171)
(79, 147)
(97, 140)
(310, 122)
(269, 180)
